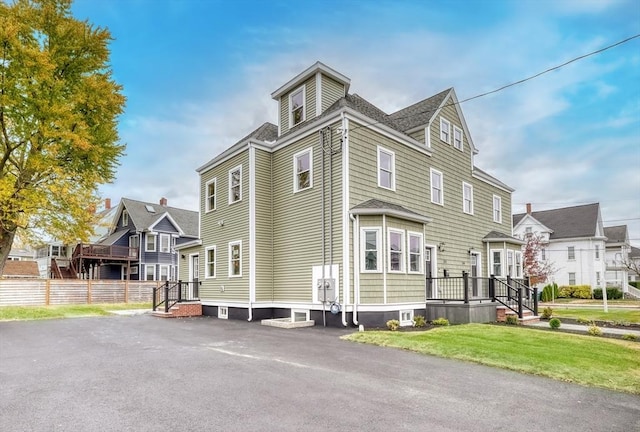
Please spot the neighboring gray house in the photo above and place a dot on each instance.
(343, 207)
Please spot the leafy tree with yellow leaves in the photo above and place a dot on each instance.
(59, 107)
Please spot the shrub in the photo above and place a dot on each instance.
(393, 325)
(635, 284)
(594, 330)
(630, 337)
(565, 291)
(547, 313)
(418, 321)
(512, 320)
(549, 292)
(575, 291)
(612, 293)
(583, 321)
(554, 323)
(440, 322)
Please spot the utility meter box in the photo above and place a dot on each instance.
(326, 289)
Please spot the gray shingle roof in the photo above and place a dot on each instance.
(497, 235)
(420, 113)
(568, 222)
(376, 206)
(616, 234)
(635, 252)
(143, 219)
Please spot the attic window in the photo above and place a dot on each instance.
(150, 208)
(296, 104)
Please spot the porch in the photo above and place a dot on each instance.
(177, 299)
(467, 299)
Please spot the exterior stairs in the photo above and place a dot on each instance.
(527, 316)
(180, 310)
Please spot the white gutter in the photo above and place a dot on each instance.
(252, 229)
(345, 218)
(356, 267)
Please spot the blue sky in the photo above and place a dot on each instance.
(198, 74)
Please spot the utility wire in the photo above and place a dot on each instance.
(513, 83)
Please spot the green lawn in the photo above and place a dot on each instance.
(66, 311)
(587, 360)
(613, 315)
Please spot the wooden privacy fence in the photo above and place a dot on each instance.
(45, 292)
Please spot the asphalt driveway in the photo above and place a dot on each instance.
(142, 373)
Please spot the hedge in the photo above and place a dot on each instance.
(575, 291)
(612, 294)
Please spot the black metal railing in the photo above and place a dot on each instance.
(170, 293)
(515, 294)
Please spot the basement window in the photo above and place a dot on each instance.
(406, 317)
(299, 315)
(223, 312)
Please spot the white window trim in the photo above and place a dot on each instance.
(238, 168)
(304, 105)
(133, 270)
(569, 257)
(304, 311)
(433, 171)
(575, 282)
(427, 136)
(456, 129)
(445, 124)
(493, 201)
(206, 262)
(403, 256)
(168, 238)
(295, 169)
(146, 268)
(518, 264)
(223, 312)
(406, 322)
(420, 253)
(168, 272)
(363, 242)
(231, 244)
(492, 251)
(208, 208)
(125, 218)
(393, 168)
(470, 212)
(146, 242)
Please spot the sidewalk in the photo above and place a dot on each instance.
(614, 331)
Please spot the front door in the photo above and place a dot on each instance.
(474, 275)
(428, 271)
(194, 272)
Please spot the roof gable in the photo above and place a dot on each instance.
(569, 222)
(144, 216)
(616, 234)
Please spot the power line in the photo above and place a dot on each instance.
(513, 83)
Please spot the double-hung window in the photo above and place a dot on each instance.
(150, 272)
(597, 251)
(445, 130)
(210, 190)
(303, 170)
(165, 242)
(497, 209)
(496, 262)
(235, 185)
(572, 278)
(510, 263)
(467, 198)
(296, 104)
(134, 245)
(150, 245)
(457, 138)
(370, 249)
(437, 192)
(571, 252)
(210, 262)
(164, 273)
(415, 252)
(396, 251)
(235, 259)
(518, 264)
(386, 169)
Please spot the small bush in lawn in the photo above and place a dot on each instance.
(547, 312)
(594, 330)
(393, 325)
(554, 323)
(418, 321)
(630, 337)
(440, 322)
(512, 320)
(583, 321)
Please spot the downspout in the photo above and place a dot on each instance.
(356, 267)
(323, 210)
(252, 229)
(344, 147)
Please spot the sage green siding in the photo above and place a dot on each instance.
(227, 223)
(332, 90)
(183, 266)
(309, 108)
(264, 227)
(297, 230)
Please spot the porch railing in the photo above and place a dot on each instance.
(516, 295)
(170, 293)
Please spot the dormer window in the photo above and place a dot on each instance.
(296, 104)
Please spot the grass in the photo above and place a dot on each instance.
(563, 301)
(66, 311)
(606, 363)
(614, 315)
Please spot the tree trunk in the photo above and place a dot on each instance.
(6, 240)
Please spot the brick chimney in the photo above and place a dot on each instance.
(528, 208)
(107, 203)
(163, 202)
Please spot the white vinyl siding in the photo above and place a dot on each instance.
(497, 209)
(414, 248)
(303, 170)
(370, 239)
(467, 198)
(235, 184)
(235, 259)
(445, 130)
(437, 192)
(386, 169)
(210, 262)
(210, 195)
(396, 251)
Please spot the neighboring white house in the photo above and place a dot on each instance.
(634, 258)
(574, 241)
(617, 257)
